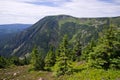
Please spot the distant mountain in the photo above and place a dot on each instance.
(51, 29)
(7, 29)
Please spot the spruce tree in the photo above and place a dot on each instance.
(50, 58)
(37, 60)
(106, 53)
(77, 51)
(3, 62)
(26, 60)
(63, 64)
(87, 49)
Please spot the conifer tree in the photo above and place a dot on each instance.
(88, 49)
(3, 62)
(63, 64)
(37, 60)
(26, 60)
(50, 58)
(77, 51)
(106, 53)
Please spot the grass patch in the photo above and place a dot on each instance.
(23, 73)
(81, 72)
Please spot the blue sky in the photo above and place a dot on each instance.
(51, 3)
(30, 11)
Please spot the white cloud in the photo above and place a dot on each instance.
(117, 1)
(20, 11)
(93, 8)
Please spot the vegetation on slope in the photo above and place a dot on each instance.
(51, 29)
(99, 60)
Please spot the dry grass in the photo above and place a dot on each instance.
(22, 73)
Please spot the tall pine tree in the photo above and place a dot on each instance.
(37, 60)
(106, 53)
(77, 51)
(63, 64)
(50, 58)
(87, 49)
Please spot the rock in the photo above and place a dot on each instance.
(14, 74)
(41, 79)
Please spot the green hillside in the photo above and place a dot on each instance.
(51, 29)
(64, 48)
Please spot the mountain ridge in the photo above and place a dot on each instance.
(51, 29)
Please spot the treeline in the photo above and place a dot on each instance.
(58, 60)
(7, 62)
(103, 53)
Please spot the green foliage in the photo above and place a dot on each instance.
(93, 74)
(42, 33)
(3, 62)
(63, 64)
(6, 62)
(99, 57)
(103, 54)
(88, 49)
(37, 60)
(26, 60)
(15, 61)
(106, 54)
(77, 51)
(50, 58)
(18, 61)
